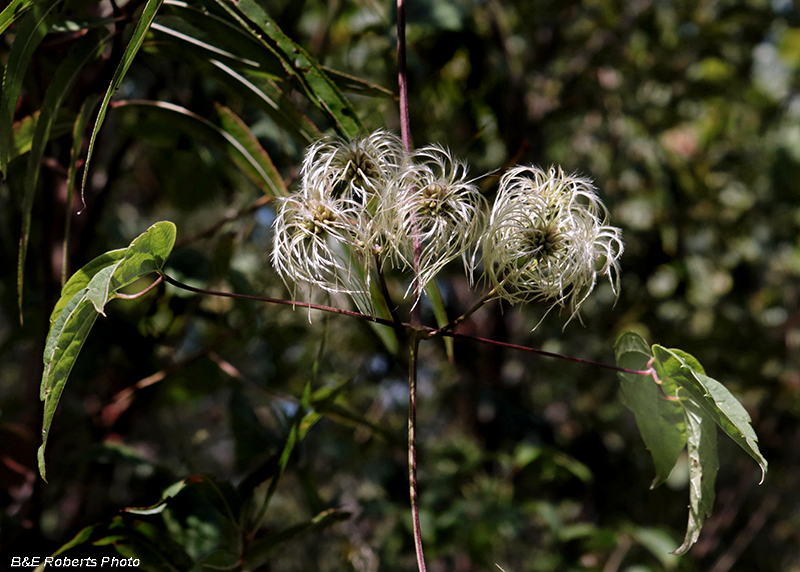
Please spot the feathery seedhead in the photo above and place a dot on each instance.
(547, 239)
(355, 171)
(431, 203)
(317, 241)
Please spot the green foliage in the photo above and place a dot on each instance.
(677, 406)
(292, 423)
(84, 296)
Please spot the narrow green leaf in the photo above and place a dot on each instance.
(67, 336)
(84, 51)
(353, 84)
(243, 154)
(192, 35)
(168, 493)
(703, 465)
(237, 129)
(217, 32)
(142, 27)
(269, 97)
(300, 65)
(82, 298)
(713, 397)
(32, 30)
(14, 10)
(81, 121)
(434, 294)
(660, 420)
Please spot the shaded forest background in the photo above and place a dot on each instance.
(685, 114)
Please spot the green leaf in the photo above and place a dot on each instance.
(14, 10)
(32, 30)
(64, 343)
(81, 121)
(300, 65)
(713, 397)
(82, 298)
(146, 254)
(434, 294)
(660, 420)
(245, 154)
(353, 84)
(88, 48)
(703, 465)
(233, 125)
(22, 131)
(659, 543)
(146, 18)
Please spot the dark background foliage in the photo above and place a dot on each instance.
(687, 117)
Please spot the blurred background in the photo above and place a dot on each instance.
(686, 114)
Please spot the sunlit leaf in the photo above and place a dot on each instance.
(82, 298)
(249, 156)
(300, 65)
(434, 294)
(703, 465)
(233, 125)
(713, 397)
(22, 131)
(659, 417)
(14, 10)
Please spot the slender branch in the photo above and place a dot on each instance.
(477, 306)
(423, 332)
(210, 231)
(412, 450)
(155, 283)
(292, 303)
(546, 353)
(405, 123)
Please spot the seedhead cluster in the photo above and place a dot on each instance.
(367, 203)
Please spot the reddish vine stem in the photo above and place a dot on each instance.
(412, 449)
(405, 123)
(425, 332)
(416, 311)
